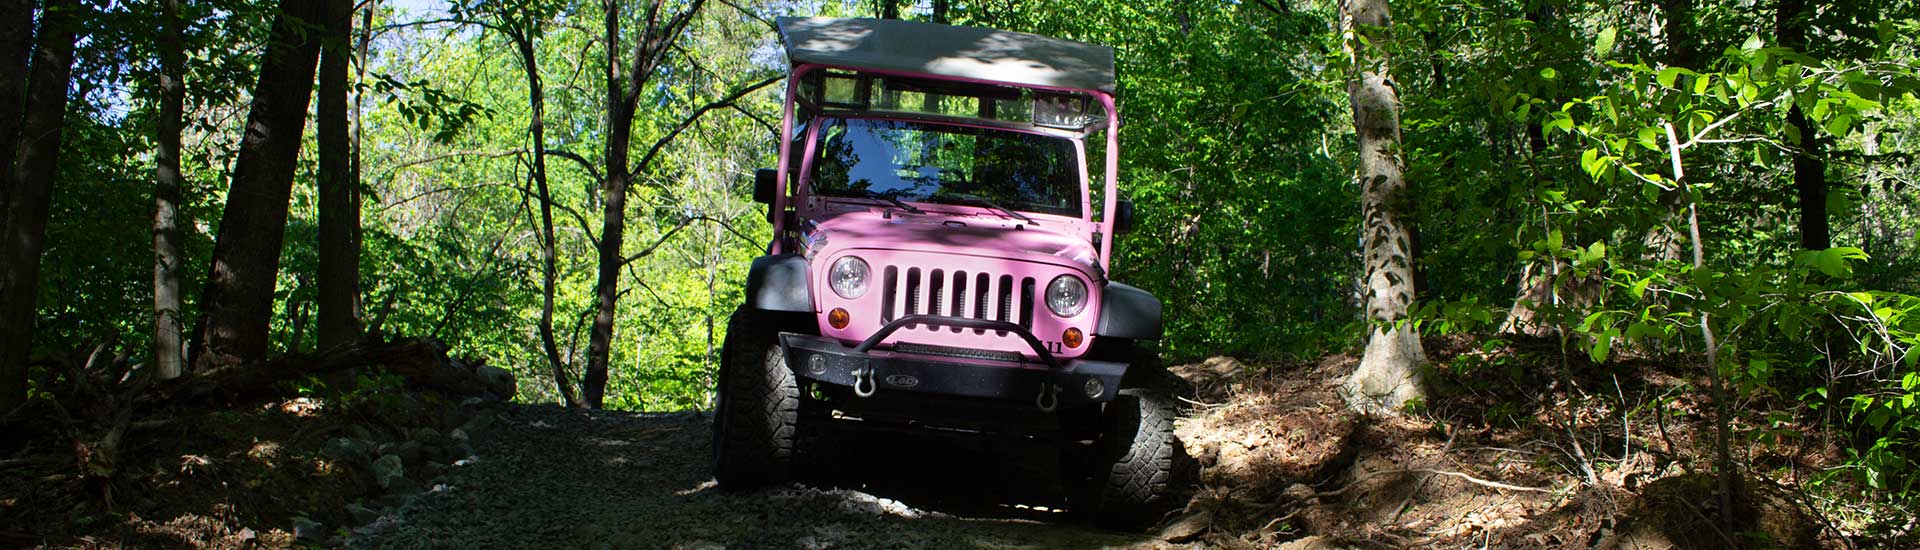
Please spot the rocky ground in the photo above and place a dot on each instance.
(552, 477)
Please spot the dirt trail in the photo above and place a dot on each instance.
(556, 478)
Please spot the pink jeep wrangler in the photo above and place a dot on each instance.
(936, 261)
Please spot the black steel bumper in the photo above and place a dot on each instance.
(1071, 382)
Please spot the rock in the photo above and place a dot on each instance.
(362, 515)
(1188, 527)
(497, 380)
(308, 530)
(404, 487)
(388, 469)
(1300, 492)
(432, 470)
(346, 449)
(1311, 542)
(426, 436)
(478, 427)
(359, 432)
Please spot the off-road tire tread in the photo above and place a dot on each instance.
(761, 408)
(1139, 477)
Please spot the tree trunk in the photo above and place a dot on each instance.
(889, 9)
(339, 285)
(1388, 373)
(1809, 160)
(169, 356)
(623, 95)
(28, 185)
(614, 222)
(238, 302)
(16, 43)
(537, 126)
(1664, 240)
(1730, 482)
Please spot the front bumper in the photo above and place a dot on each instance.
(1074, 382)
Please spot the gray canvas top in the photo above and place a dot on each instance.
(945, 50)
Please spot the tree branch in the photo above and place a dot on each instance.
(657, 242)
(695, 117)
(582, 161)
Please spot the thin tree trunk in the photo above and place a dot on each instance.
(169, 356)
(623, 94)
(1388, 375)
(238, 302)
(28, 184)
(889, 9)
(614, 222)
(536, 125)
(1809, 159)
(339, 285)
(1729, 478)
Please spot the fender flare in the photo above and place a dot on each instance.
(779, 282)
(1128, 312)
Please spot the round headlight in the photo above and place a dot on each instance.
(1066, 296)
(849, 277)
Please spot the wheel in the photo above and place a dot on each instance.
(1134, 459)
(1133, 479)
(757, 419)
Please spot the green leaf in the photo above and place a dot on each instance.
(1548, 73)
(1839, 125)
(1602, 346)
(1555, 240)
(1603, 44)
(1833, 261)
(1558, 121)
(1668, 75)
(1753, 43)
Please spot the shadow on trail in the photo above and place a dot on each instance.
(968, 476)
(548, 477)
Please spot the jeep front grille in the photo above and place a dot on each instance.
(956, 294)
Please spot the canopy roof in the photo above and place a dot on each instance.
(1014, 58)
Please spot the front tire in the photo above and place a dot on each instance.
(1133, 481)
(757, 417)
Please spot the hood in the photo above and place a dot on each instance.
(1048, 241)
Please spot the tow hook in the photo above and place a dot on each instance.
(1048, 400)
(860, 376)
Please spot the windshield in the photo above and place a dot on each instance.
(931, 163)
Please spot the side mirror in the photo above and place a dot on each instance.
(766, 182)
(1122, 217)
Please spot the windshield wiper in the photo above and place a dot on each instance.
(982, 201)
(870, 194)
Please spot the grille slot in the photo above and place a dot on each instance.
(959, 308)
(913, 291)
(888, 291)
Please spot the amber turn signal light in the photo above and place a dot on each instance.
(1073, 338)
(838, 318)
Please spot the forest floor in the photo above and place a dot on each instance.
(1278, 462)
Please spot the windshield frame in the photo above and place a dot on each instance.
(805, 192)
